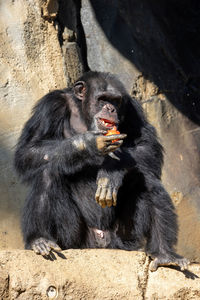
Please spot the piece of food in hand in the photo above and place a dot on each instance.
(113, 131)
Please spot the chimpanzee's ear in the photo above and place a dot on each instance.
(80, 90)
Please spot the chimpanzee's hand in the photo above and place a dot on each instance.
(169, 260)
(97, 142)
(44, 247)
(105, 144)
(108, 185)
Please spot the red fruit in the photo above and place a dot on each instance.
(113, 131)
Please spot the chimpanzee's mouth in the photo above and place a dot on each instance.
(108, 124)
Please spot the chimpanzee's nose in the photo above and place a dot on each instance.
(109, 107)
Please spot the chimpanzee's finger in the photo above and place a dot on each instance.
(114, 143)
(98, 192)
(54, 246)
(36, 249)
(44, 249)
(153, 265)
(111, 154)
(108, 202)
(109, 197)
(102, 204)
(183, 263)
(102, 132)
(114, 195)
(102, 196)
(41, 247)
(115, 137)
(112, 148)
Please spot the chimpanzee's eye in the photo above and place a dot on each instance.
(116, 101)
(103, 98)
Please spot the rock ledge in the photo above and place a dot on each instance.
(92, 274)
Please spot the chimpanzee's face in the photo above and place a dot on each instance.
(107, 115)
(101, 104)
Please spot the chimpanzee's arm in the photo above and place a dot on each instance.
(66, 156)
(143, 154)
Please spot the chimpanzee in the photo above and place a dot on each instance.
(89, 189)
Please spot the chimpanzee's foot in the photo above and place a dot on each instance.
(44, 247)
(165, 260)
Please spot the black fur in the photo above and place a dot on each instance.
(61, 204)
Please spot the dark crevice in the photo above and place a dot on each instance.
(64, 20)
(81, 39)
(69, 17)
(60, 33)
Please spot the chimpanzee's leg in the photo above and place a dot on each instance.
(148, 216)
(162, 231)
(52, 221)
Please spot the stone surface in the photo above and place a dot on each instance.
(92, 274)
(83, 274)
(168, 283)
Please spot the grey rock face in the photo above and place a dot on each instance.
(101, 54)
